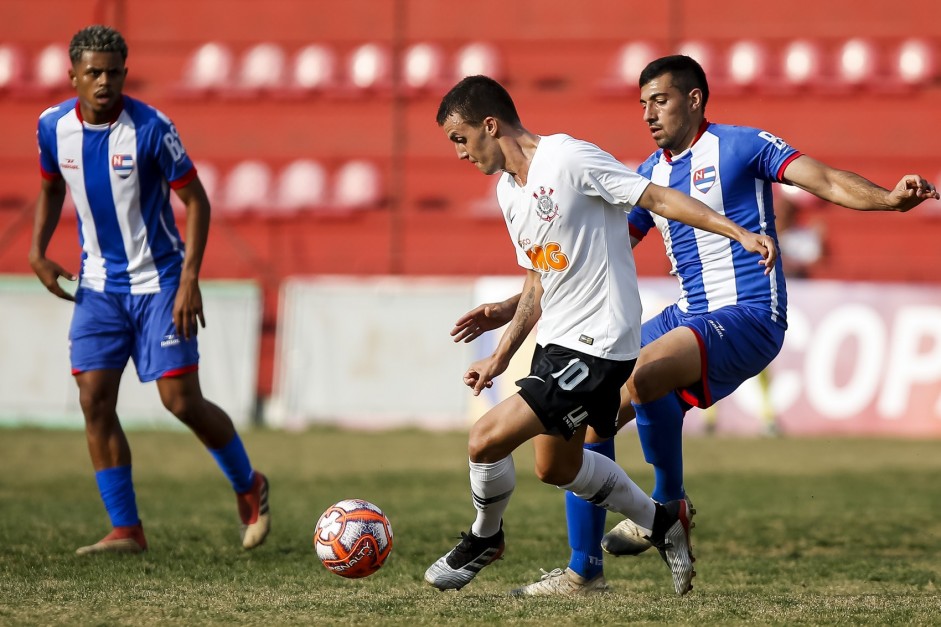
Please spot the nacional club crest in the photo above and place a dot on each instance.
(122, 165)
(545, 206)
(704, 179)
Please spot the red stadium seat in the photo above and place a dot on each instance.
(704, 53)
(423, 67)
(247, 187)
(629, 62)
(12, 68)
(262, 67)
(209, 177)
(369, 67)
(914, 62)
(301, 185)
(314, 69)
(801, 63)
(478, 58)
(747, 64)
(857, 63)
(209, 68)
(51, 70)
(357, 185)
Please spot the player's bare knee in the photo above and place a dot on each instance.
(642, 387)
(555, 474)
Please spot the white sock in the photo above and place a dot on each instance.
(602, 482)
(491, 487)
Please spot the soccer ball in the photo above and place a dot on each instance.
(353, 538)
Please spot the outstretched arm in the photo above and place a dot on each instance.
(480, 374)
(48, 211)
(483, 318)
(849, 189)
(188, 307)
(675, 205)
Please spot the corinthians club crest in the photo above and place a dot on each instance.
(545, 206)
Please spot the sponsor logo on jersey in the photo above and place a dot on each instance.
(69, 164)
(169, 340)
(704, 179)
(548, 257)
(584, 339)
(122, 165)
(546, 208)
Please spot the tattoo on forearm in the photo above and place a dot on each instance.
(524, 310)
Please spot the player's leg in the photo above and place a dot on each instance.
(111, 459)
(601, 481)
(100, 344)
(161, 355)
(672, 361)
(491, 443)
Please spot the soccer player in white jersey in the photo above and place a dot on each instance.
(138, 290)
(729, 321)
(564, 202)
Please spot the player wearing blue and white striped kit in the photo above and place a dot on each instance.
(138, 294)
(730, 319)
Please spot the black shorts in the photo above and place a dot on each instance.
(568, 389)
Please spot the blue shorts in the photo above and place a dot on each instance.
(108, 328)
(735, 344)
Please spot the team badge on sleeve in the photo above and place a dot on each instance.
(122, 165)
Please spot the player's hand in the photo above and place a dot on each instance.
(49, 272)
(910, 192)
(481, 374)
(481, 319)
(188, 309)
(764, 246)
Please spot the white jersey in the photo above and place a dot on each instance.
(568, 223)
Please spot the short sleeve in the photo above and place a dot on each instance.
(167, 147)
(771, 154)
(595, 172)
(46, 141)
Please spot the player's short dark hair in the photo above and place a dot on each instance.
(476, 98)
(687, 74)
(97, 38)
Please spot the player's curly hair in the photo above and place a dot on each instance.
(97, 38)
(476, 98)
(687, 74)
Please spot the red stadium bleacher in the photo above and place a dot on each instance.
(357, 185)
(263, 67)
(51, 68)
(313, 70)
(301, 185)
(423, 67)
(247, 187)
(369, 68)
(209, 69)
(858, 63)
(478, 57)
(12, 68)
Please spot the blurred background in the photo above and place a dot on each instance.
(347, 237)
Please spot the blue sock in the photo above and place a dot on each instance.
(117, 492)
(660, 429)
(586, 525)
(233, 460)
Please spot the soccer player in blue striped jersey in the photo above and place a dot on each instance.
(730, 319)
(138, 292)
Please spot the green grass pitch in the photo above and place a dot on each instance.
(825, 531)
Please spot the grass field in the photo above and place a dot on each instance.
(788, 532)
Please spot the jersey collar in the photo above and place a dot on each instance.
(669, 156)
(112, 120)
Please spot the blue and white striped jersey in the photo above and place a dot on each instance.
(120, 175)
(730, 169)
